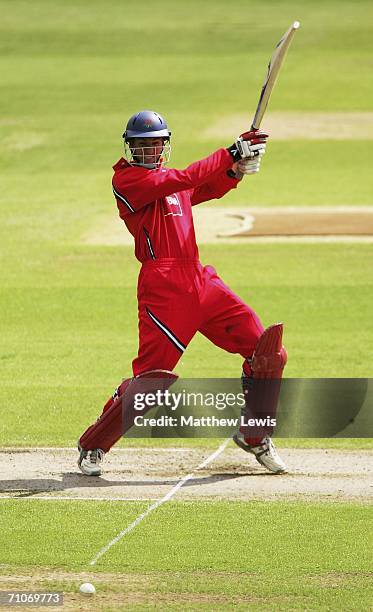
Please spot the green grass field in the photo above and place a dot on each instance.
(72, 73)
(228, 554)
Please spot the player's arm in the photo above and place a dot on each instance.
(217, 187)
(142, 186)
(136, 187)
(247, 152)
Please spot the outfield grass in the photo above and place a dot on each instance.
(70, 326)
(283, 555)
(70, 79)
(72, 73)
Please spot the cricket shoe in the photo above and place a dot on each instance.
(90, 461)
(265, 453)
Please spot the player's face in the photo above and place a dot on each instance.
(147, 150)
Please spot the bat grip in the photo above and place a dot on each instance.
(239, 174)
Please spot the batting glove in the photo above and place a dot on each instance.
(248, 145)
(249, 166)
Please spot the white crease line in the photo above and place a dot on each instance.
(80, 498)
(159, 502)
(299, 209)
(35, 449)
(247, 222)
(303, 239)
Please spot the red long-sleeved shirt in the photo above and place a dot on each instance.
(156, 205)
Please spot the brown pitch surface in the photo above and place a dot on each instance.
(150, 473)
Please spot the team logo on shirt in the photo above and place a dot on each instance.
(174, 206)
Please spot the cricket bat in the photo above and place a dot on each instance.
(274, 66)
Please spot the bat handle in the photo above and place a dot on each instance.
(239, 174)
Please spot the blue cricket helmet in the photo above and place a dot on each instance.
(146, 124)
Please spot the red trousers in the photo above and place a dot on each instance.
(178, 298)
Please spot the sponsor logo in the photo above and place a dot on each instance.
(174, 206)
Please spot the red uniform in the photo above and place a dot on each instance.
(177, 296)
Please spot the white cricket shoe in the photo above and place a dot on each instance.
(90, 461)
(265, 453)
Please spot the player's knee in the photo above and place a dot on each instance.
(270, 355)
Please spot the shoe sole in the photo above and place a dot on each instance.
(98, 473)
(280, 471)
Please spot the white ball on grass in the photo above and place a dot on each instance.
(87, 588)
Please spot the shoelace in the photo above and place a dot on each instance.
(96, 455)
(268, 447)
(272, 451)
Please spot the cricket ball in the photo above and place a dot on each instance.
(87, 589)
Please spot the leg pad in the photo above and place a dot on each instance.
(118, 414)
(261, 382)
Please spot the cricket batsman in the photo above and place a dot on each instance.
(177, 295)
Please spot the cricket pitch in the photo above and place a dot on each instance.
(257, 224)
(149, 473)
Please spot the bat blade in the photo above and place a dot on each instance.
(272, 73)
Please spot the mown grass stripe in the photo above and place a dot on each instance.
(159, 502)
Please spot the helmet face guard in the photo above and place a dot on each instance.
(147, 124)
(148, 157)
